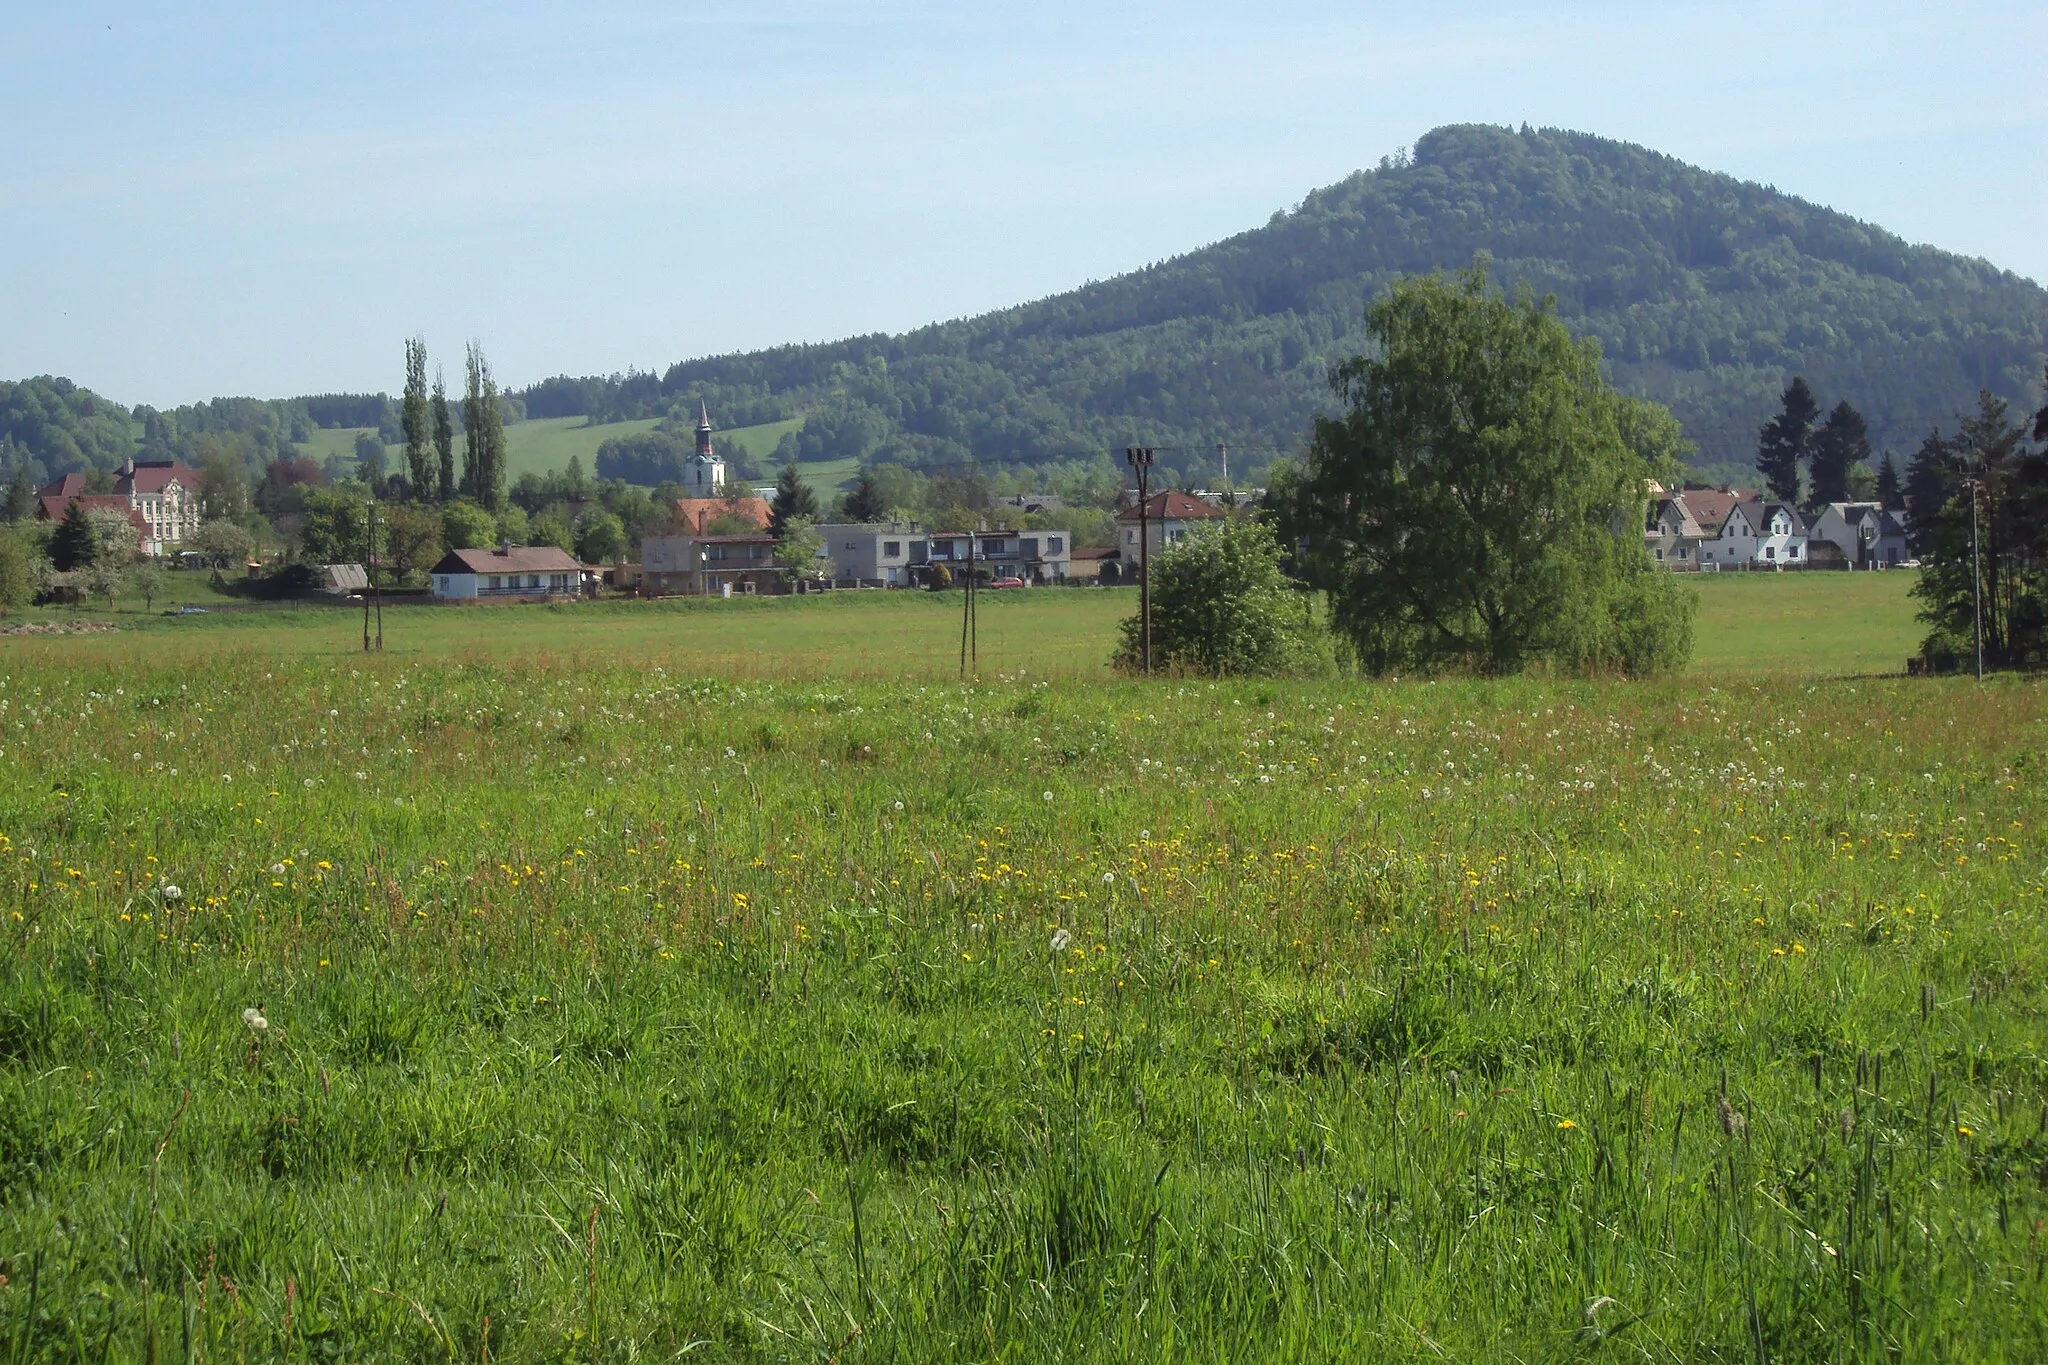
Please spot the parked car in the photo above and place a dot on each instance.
(1007, 583)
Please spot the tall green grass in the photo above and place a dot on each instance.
(618, 1013)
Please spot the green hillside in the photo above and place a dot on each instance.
(546, 443)
(1706, 292)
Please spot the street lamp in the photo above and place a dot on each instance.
(1140, 460)
(1866, 533)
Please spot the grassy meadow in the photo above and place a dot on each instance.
(631, 998)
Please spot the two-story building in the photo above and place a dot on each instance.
(1857, 535)
(1034, 556)
(509, 572)
(163, 494)
(705, 565)
(1165, 518)
(1758, 535)
(880, 554)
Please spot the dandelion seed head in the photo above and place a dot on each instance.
(172, 893)
(253, 1017)
(1061, 940)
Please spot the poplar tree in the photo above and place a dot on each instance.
(444, 440)
(412, 416)
(1785, 441)
(483, 424)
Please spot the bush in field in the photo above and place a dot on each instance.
(1221, 607)
(18, 571)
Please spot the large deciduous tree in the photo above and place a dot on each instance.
(413, 417)
(1480, 503)
(1840, 446)
(1786, 440)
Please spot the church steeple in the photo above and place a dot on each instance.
(703, 430)
(706, 474)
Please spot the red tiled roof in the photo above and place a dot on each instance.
(65, 486)
(1174, 505)
(694, 514)
(518, 559)
(53, 507)
(157, 475)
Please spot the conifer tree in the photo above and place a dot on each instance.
(74, 543)
(1842, 443)
(866, 502)
(1890, 495)
(412, 416)
(1786, 439)
(793, 500)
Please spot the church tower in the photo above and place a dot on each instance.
(706, 474)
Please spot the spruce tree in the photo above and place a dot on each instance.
(1889, 495)
(74, 543)
(1785, 441)
(865, 502)
(1842, 443)
(444, 440)
(21, 497)
(412, 416)
(793, 500)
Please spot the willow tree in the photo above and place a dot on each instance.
(1480, 503)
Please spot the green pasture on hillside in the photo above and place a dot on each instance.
(563, 985)
(548, 443)
(1798, 624)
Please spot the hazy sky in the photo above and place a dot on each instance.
(264, 198)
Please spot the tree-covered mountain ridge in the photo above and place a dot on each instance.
(1705, 291)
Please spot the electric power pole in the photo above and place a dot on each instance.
(1140, 460)
(1976, 581)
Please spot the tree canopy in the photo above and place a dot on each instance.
(1479, 502)
(1221, 607)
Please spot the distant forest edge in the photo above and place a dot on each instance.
(1706, 292)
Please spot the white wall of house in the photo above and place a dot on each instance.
(455, 587)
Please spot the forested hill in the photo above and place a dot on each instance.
(1705, 291)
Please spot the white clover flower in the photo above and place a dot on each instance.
(172, 893)
(1061, 940)
(253, 1017)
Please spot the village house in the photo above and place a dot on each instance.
(1724, 528)
(706, 565)
(1167, 517)
(1857, 535)
(1034, 556)
(163, 495)
(1759, 535)
(881, 554)
(510, 572)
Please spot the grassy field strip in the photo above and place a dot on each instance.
(1815, 624)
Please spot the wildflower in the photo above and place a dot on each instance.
(899, 805)
(1965, 1132)
(1566, 1125)
(253, 1017)
(277, 869)
(1060, 940)
(1593, 1308)
(1046, 795)
(1109, 879)
(172, 893)
(589, 814)
(1732, 1122)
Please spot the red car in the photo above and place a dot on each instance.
(1007, 583)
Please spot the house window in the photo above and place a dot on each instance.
(494, 581)
(1052, 545)
(891, 549)
(1792, 552)
(1031, 548)
(1683, 553)
(1130, 537)
(1660, 554)
(1770, 552)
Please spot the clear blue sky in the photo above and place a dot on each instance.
(266, 198)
